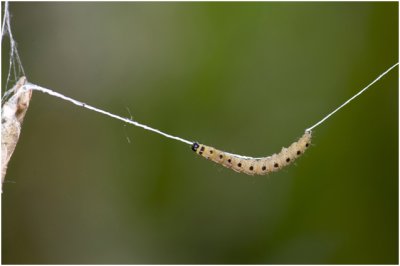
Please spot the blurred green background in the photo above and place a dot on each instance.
(244, 77)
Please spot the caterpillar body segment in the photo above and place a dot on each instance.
(255, 166)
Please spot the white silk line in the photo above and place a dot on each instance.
(352, 98)
(135, 123)
(30, 86)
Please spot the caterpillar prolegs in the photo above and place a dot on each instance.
(255, 166)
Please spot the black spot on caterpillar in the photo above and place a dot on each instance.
(255, 166)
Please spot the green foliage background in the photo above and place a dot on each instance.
(244, 77)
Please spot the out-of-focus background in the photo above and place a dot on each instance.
(244, 77)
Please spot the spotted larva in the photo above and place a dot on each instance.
(255, 166)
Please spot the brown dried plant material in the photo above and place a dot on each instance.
(12, 115)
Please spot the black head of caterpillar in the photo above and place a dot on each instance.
(195, 146)
(255, 166)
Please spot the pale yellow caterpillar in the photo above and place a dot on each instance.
(255, 166)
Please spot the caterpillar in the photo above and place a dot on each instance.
(255, 166)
